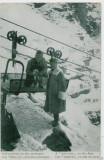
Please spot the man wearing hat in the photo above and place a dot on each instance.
(37, 66)
(55, 95)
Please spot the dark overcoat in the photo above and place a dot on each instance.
(40, 66)
(55, 94)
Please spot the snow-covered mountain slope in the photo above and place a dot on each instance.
(76, 122)
(27, 17)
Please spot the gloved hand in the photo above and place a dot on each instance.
(35, 72)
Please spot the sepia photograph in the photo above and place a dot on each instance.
(50, 57)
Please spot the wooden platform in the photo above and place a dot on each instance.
(13, 76)
(11, 84)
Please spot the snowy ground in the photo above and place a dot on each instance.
(32, 122)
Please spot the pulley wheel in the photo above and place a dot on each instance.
(50, 51)
(11, 34)
(58, 54)
(22, 40)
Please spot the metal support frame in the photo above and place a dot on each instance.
(3, 102)
(15, 61)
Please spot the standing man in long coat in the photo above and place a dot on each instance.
(55, 95)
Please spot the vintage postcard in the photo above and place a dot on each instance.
(50, 57)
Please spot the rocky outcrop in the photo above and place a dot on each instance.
(58, 141)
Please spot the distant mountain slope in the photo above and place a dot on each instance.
(88, 15)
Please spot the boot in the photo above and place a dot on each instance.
(56, 119)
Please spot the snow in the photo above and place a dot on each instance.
(32, 122)
(49, 29)
(79, 123)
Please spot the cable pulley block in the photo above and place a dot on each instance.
(22, 40)
(51, 51)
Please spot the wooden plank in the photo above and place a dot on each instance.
(13, 76)
(11, 86)
(14, 85)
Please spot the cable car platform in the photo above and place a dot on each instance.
(11, 84)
